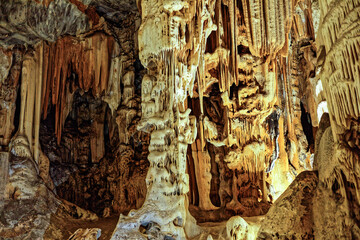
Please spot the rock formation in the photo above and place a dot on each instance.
(182, 119)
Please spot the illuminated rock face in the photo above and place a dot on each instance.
(337, 159)
(195, 119)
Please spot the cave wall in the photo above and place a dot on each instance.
(189, 111)
(256, 123)
(242, 93)
(70, 105)
(338, 145)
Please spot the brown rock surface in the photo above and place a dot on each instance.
(191, 119)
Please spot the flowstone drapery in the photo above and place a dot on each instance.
(191, 119)
(163, 44)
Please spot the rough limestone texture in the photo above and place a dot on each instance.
(86, 234)
(9, 83)
(179, 119)
(337, 192)
(338, 150)
(291, 216)
(24, 189)
(25, 22)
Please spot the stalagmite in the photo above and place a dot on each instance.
(203, 172)
(4, 170)
(38, 93)
(31, 101)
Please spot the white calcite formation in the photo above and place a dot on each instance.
(191, 119)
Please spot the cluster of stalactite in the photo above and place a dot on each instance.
(225, 115)
(70, 106)
(236, 75)
(90, 166)
(51, 76)
(98, 147)
(87, 62)
(338, 48)
(247, 98)
(340, 44)
(83, 90)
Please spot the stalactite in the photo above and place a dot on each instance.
(277, 24)
(39, 91)
(75, 57)
(30, 100)
(337, 138)
(41, 69)
(203, 175)
(235, 79)
(340, 63)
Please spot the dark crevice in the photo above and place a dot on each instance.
(211, 43)
(17, 110)
(307, 126)
(243, 50)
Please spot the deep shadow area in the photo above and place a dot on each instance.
(307, 126)
(90, 167)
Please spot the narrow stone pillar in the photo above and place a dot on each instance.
(4, 173)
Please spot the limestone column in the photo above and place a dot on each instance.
(31, 93)
(171, 46)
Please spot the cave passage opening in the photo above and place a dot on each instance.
(79, 163)
(90, 167)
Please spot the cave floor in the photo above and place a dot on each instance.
(61, 228)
